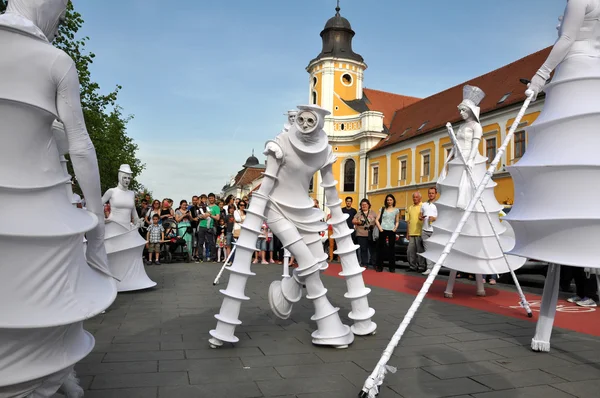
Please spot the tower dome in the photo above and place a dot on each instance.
(251, 161)
(337, 39)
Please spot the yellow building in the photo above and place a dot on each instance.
(359, 117)
(390, 143)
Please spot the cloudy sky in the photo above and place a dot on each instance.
(209, 81)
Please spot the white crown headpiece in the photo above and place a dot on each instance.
(473, 94)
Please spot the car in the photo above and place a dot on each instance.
(401, 244)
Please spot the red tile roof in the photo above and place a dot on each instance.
(387, 103)
(440, 108)
(246, 176)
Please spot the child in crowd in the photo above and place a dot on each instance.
(221, 239)
(154, 237)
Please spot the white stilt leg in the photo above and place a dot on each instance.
(286, 263)
(371, 387)
(357, 292)
(479, 282)
(543, 329)
(450, 285)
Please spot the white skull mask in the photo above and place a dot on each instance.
(306, 122)
(292, 117)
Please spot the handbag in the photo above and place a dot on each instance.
(374, 231)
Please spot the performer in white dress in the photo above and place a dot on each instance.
(48, 286)
(476, 250)
(555, 215)
(292, 160)
(124, 244)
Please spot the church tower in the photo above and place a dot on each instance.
(336, 84)
(336, 74)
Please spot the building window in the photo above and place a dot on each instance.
(519, 144)
(347, 79)
(425, 168)
(311, 184)
(314, 97)
(490, 149)
(375, 176)
(403, 170)
(349, 175)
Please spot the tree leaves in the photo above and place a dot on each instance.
(2, 5)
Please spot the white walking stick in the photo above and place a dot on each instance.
(371, 387)
(523, 302)
(286, 263)
(216, 281)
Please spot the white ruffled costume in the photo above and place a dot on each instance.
(292, 160)
(561, 161)
(476, 250)
(124, 245)
(48, 286)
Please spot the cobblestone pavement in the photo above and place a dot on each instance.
(154, 344)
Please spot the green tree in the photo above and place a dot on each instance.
(2, 5)
(106, 124)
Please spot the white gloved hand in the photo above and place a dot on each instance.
(538, 82)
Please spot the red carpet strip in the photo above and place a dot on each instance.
(568, 316)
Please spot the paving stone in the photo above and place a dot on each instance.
(234, 375)
(349, 369)
(303, 385)
(474, 336)
(514, 351)
(575, 372)
(144, 392)
(228, 390)
(513, 380)
(438, 388)
(533, 362)
(481, 345)
(527, 392)
(451, 357)
(403, 362)
(126, 347)
(130, 380)
(142, 356)
(464, 369)
(223, 352)
(587, 388)
(184, 365)
(116, 367)
(281, 360)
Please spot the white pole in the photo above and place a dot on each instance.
(286, 263)
(524, 302)
(216, 281)
(371, 387)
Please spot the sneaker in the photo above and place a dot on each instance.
(157, 262)
(254, 261)
(264, 262)
(586, 302)
(574, 299)
(427, 272)
(148, 262)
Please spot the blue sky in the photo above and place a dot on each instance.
(208, 81)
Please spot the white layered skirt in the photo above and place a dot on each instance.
(556, 216)
(476, 250)
(125, 248)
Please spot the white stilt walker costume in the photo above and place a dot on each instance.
(476, 250)
(124, 244)
(292, 159)
(48, 286)
(553, 169)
